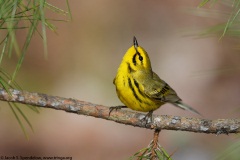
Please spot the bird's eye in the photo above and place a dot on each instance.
(140, 58)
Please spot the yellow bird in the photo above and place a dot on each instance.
(141, 89)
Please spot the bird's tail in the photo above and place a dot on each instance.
(184, 106)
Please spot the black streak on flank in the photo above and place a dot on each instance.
(137, 85)
(134, 92)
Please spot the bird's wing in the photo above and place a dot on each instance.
(160, 90)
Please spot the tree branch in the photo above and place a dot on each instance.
(128, 117)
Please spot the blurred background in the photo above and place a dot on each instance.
(83, 58)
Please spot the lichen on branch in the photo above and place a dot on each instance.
(127, 117)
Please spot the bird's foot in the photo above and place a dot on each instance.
(115, 108)
(148, 118)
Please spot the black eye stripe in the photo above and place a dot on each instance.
(140, 57)
(134, 58)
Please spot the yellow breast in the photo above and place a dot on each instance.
(131, 92)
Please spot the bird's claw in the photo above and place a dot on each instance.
(116, 108)
(147, 118)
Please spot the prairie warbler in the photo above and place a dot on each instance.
(141, 89)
